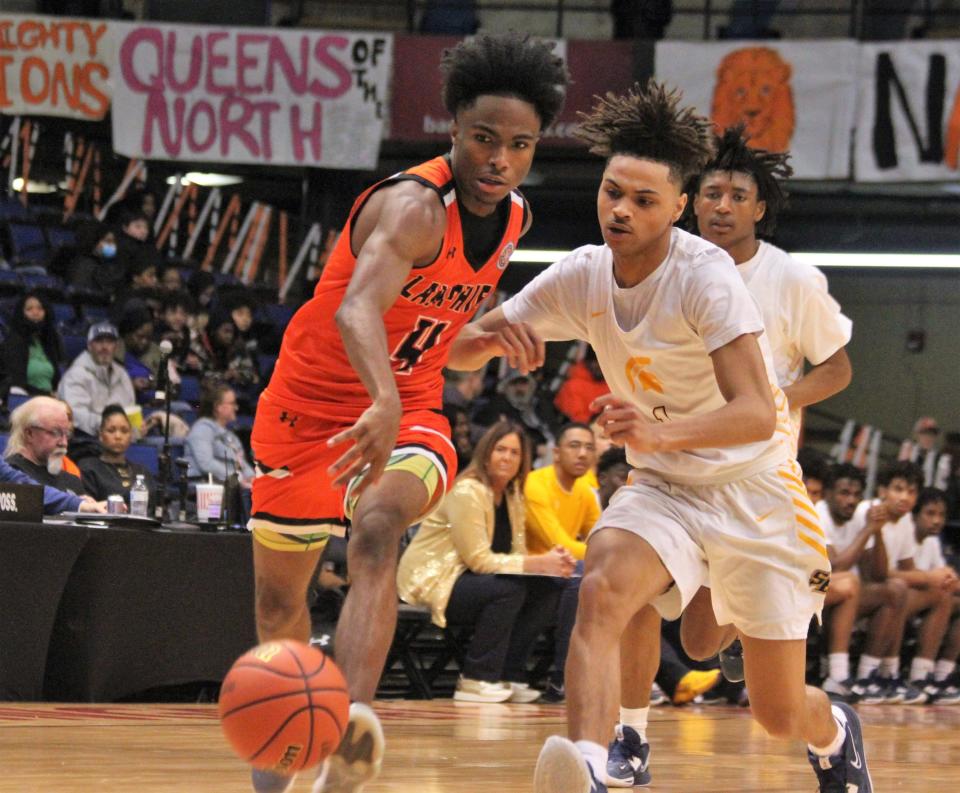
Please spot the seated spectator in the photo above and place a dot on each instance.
(222, 355)
(174, 326)
(169, 279)
(850, 533)
(202, 288)
(928, 592)
(922, 450)
(32, 350)
(584, 383)
(211, 448)
(139, 353)
(96, 268)
(460, 389)
(469, 563)
(54, 501)
(95, 380)
(133, 239)
(814, 466)
(562, 508)
(40, 431)
(929, 516)
(516, 400)
(112, 474)
(460, 434)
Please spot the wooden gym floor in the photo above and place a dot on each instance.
(446, 747)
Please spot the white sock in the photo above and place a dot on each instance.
(920, 668)
(834, 746)
(839, 666)
(635, 718)
(890, 667)
(596, 757)
(868, 665)
(943, 670)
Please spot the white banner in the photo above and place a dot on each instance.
(795, 96)
(908, 127)
(55, 66)
(251, 95)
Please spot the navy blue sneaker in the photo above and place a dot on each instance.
(846, 771)
(628, 759)
(731, 662)
(269, 782)
(561, 768)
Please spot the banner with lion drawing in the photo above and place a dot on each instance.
(796, 96)
(908, 126)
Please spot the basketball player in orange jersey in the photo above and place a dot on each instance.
(350, 427)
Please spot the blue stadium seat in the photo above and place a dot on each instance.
(93, 313)
(279, 315)
(63, 313)
(189, 389)
(4, 437)
(73, 345)
(16, 400)
(60, 237)
(27, 244)
(147, 456)
(12, 209)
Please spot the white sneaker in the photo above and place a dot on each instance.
(523, 693)
(358, 758)
(469, 690)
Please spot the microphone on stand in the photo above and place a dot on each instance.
(163, 392)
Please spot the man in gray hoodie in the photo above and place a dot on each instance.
(95, 380)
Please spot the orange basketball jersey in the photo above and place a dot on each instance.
(313, 373)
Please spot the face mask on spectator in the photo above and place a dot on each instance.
(108, 250)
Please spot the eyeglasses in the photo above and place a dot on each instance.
(59, 434)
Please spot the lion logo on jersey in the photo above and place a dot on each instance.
(753, 86)
(505, 255)
(638, 375)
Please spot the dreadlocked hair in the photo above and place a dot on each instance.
(510, 64)
(646, 122)
(766, 168)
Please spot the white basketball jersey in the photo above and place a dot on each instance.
(695, 303)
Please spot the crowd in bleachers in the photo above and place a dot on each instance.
(84, 309)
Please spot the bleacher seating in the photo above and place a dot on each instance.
(27, 244)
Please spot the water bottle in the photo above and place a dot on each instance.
(139, 497)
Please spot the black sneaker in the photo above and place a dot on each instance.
(870, 690)
(731, 662)
(628, 759)
(904, 693)
(553, 694)
(846, 771)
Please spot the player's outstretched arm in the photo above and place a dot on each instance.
(400, 226)
(748, 416)
(822, 381)
(493, 335)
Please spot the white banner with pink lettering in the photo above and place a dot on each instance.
(251, 95)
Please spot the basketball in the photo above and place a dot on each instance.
(284, 706)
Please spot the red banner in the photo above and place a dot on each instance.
(595, 66)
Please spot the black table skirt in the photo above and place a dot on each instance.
(98, 614)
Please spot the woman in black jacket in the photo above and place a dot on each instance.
(33, 348)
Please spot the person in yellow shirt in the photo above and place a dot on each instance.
(562, 507)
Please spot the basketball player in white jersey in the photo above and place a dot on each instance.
(715, 496)
(736, 200)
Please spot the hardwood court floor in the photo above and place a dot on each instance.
(446, 747)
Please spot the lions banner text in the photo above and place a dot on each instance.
(55, 66)
(247, 95)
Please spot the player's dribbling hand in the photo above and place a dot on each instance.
(374, 435)
(625, 425)
(520, 345)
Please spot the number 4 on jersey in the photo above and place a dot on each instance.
(424, 336)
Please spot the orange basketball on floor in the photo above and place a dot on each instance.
(284, 706)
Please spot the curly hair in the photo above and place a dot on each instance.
(510, 64)
(766, 168)
(646, 122)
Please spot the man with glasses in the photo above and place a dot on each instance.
(561, 509)
(40, 430)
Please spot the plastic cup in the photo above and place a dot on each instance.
(209, 502)
(135, 414)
